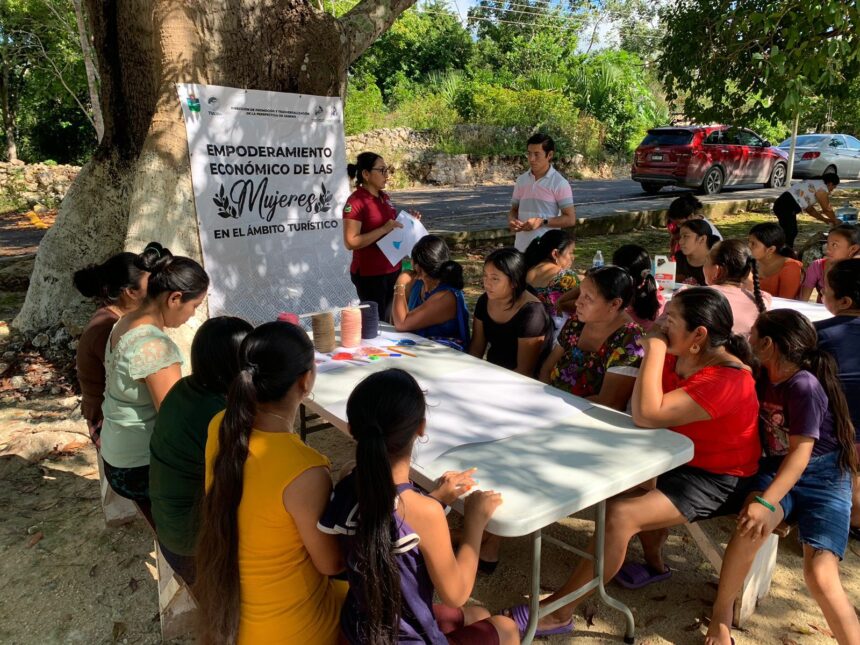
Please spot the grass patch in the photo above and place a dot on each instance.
(656, 240)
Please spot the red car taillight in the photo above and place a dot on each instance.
(810, 155)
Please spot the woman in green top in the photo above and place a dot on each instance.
(177, 462)
(141, 365)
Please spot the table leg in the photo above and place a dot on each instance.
(599, 539)
(534, 598)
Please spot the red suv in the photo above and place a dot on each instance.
(708, 158)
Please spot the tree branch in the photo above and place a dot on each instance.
(59, 74)
(366, 21)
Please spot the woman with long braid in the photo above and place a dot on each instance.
(262, 563)
(727, 269)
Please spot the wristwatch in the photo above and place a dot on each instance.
(545, 221)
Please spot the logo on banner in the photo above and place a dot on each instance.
(193, 103)
(250, 198)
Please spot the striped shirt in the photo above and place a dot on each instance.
(544, 198)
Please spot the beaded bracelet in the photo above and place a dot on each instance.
(765, 503)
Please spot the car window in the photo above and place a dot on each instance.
(667, 138)
(747, 138)
(853, 143)
(732, 137)
(715, 138)
(838, 142)
(805, 141)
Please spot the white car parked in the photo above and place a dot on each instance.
(817, 154)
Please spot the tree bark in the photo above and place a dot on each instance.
(89, 66)
(137, 187)
(8, 114)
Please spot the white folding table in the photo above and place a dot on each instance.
(543, 474)
(813, 310)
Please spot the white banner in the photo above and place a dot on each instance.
(270, 183)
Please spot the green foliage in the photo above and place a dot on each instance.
(417, 44)
(519, 72)
(613, 86)
(47, 90)
(363, 109)
(778, 51)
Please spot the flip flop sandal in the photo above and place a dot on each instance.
(520, 615)
(486, 566)
(635, 575)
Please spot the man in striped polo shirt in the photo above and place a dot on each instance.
(542, 197)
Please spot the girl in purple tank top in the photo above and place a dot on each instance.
(395, 538)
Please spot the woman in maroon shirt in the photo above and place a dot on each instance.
(118, 287)
(369, 216)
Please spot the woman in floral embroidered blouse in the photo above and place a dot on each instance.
(549, 259)
(597, 355)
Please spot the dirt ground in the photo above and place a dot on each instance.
(66, 578)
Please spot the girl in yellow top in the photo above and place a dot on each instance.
(263, 565)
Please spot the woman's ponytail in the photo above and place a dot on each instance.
(646, 304)
(385, 412)
(105, 282)
(272, 359)
(739, 347)
(375, 559)
(217, 585)
(364, 161)
(451, 274)
(826, 370)
(636, 261)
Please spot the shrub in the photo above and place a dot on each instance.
(425, 112)
(363, 109)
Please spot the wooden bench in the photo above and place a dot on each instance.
(177, 609)
(118, 510)
(757, 582)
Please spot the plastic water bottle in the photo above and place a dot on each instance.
(598, 260)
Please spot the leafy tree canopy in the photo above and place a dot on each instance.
(721, 53)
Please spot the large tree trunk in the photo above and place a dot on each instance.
(90, 67)
(137, 187)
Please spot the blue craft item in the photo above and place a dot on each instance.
(369, 319)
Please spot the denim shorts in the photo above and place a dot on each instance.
(819, 503)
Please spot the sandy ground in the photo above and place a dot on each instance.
(66, 578)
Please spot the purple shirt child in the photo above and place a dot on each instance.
(797, 406)
(417, 621)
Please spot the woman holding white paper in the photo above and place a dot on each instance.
(369, 216)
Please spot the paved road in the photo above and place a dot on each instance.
(486, 207)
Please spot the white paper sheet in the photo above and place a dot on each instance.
(399, 243)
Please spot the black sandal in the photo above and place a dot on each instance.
(486, 566)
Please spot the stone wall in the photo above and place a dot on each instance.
(411, 154)
(31, 184)
(408, 151)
